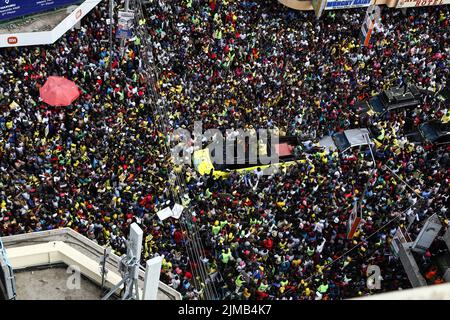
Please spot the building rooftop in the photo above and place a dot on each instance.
(40, 262)
(44, 28)
(50, 283)
(46, 21)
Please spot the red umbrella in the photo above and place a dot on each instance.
(59, 91)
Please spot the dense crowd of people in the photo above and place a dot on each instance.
(101, 163)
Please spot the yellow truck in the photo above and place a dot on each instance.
(284, 153)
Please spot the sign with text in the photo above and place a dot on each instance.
(345, 4)
(420, 3)
(10, 9)
(125, 25)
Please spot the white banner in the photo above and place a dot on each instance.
(420, 3)
(177, 210)
(164, 213)
(48, 37)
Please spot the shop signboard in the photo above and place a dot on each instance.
(346, 4)
(420, 3)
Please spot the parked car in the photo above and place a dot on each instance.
(389, 101)
(434, 131)
(347, 140)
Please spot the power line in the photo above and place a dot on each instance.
(361, 242)
(193, 242)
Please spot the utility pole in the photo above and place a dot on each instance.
(122, 41)
(103, 270)
(129, 266)
(125, 15)
(111, 45)
(366, 137)
(403, 181)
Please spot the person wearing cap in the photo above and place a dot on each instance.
(216, 228)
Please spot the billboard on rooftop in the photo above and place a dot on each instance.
(13, 9)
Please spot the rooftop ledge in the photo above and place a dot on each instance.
(432, 292)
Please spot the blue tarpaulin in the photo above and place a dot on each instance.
(10, 9)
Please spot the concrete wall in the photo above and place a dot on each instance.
(410, 265)
(434, 292)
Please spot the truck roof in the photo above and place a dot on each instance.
(392, 99)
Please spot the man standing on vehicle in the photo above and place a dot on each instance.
(403, 82)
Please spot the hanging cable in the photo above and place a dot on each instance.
(158, 103)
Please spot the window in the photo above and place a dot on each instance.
(377, 103)
(341, 141)
(429, 131)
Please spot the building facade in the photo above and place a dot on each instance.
(341, 4)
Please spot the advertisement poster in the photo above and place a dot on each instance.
(10, 9)
(345, 4)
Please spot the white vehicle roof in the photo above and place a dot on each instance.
(345, 140)
(357, 137)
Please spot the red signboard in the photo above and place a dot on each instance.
(13, 40)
